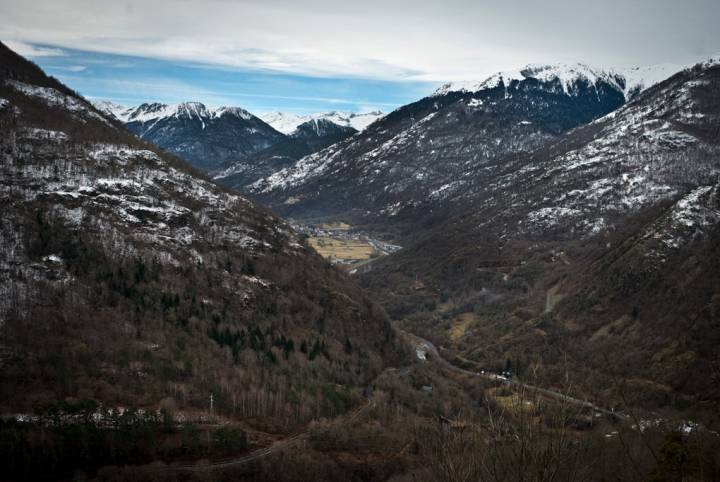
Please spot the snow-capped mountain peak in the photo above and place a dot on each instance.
(288, 123)
(204, 136)
(629, 81)
(282, 121)
(567, 74)
(111, 109)
(210, 137)
(155, 110)
(638, 79)
(148, 112)
(235, 111)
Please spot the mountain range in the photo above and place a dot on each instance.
(424, 151)
(231, 142)
(288, 123)
(597, 250)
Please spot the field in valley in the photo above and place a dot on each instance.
(342, 249)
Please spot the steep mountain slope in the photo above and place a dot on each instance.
(288, 123)
(424, 151)
(320, 133)
(306, 138)
(237, 147)
(206, 138)
(127, 278)
(597, 252)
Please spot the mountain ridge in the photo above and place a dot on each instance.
(631, 81)
(288, 123)
(422, 152)
(230, 143)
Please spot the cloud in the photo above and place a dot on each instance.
(175, 90)
(373, 39)
(29, 50)
(70, 68)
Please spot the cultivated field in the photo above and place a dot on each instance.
(342, 249)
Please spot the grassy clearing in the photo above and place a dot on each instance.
(459, 325)
(511, 402)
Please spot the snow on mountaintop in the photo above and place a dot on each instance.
(712, 61)
(288, 123)
(111, 109)
(358, 121)
(236, 111)
(567, 74)
(629, 81)
(281, 121)
(149, 112)
(638, 79)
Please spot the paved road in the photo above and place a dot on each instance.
(430, 348)
(419, 344)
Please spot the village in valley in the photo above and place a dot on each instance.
(343, 245)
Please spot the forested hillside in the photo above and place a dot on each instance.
(129, 279)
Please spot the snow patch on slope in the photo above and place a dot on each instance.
(56, 99)
(111, 109)
(690, 217)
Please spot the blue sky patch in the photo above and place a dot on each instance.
(131, 80)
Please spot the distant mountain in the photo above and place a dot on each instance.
(129, 280)
(597, 251)
(229, 142)
(308, 137)
(111, 109)
(288, 123)
(319, 133)
(423, 151)
(206, 138)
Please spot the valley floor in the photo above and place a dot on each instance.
(430, 419)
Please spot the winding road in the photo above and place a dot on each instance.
(422, 345)
(428, 347)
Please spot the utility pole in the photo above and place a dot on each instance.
(212, 419)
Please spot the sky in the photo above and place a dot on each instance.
(311, 56)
